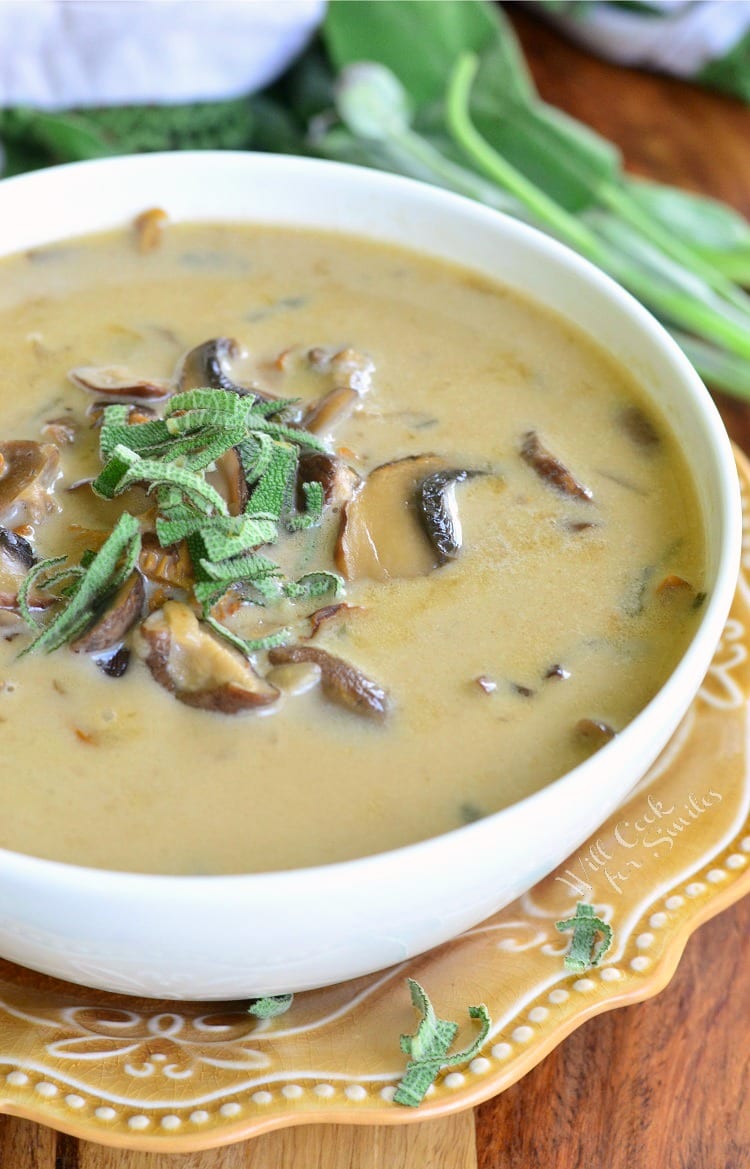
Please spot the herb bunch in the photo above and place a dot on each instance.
(463, 113)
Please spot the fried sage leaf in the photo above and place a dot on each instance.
(585, 951)
(429, 1047)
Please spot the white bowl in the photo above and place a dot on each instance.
(238, 936)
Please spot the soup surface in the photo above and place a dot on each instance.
(518, 541)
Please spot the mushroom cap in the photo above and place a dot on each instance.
(28, 472)
(195, 666)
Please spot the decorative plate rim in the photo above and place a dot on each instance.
(660, 921)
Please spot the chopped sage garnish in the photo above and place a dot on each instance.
(270, 1006)
(97, 576)
(592, 937)
(429, 1046)
(170, 457)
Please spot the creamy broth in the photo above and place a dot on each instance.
(556, 622)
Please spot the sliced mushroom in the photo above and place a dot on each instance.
(338, 480)
(117, 665)
(206, 366)
(59, 430)
(168, 566)
(672, 585)
(119, 384)
(198, 669)
(438, 511)
(137, 412)
(16, 554)
(295, 678)
(678, 594)
(381, 536)
(149, 229)
(119, 614)
(229, 480)
(16, 558)
(638, 427)
(353, 369)
(28, 473)
(330, 411)
(322, 618)
(348, 367)
(593, 732)
(549, 468)
(340, 682)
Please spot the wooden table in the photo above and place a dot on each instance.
(654, 1086)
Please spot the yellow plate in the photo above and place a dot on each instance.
(182, 1077)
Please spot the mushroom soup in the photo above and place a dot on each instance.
(312, 548)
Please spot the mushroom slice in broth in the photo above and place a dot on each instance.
(340, 682)
(28, 473)
(119, 384)
(199, 670)
(381, 535)
(119, 614)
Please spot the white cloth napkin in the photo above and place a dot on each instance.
(677, 36)
(55, 54)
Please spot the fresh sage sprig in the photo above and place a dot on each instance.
(464, 113)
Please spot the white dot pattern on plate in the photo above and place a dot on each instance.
(558, 996)
(105, 1113)
(584, 984)
(695, 888)
(325, 1091)
(501, 1050)
(715, 876)
(262, 1097)
(291, 1091)
(388, 1092)
(454, 1080)
(170, 1122)
(17, 1079)
(522, 1034)
(138, 1122)
(231, 1109)
(736, 861)
(611, 974)
(479, 1066)
(643, 941)
(538, 1014)
(674, 902)
(745, 844)
(657, 921)
(355, 1092)
(44, 1088)
(640, 963)
(200, 1116)
(73, 1100)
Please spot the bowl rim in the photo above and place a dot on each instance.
(697, 655)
